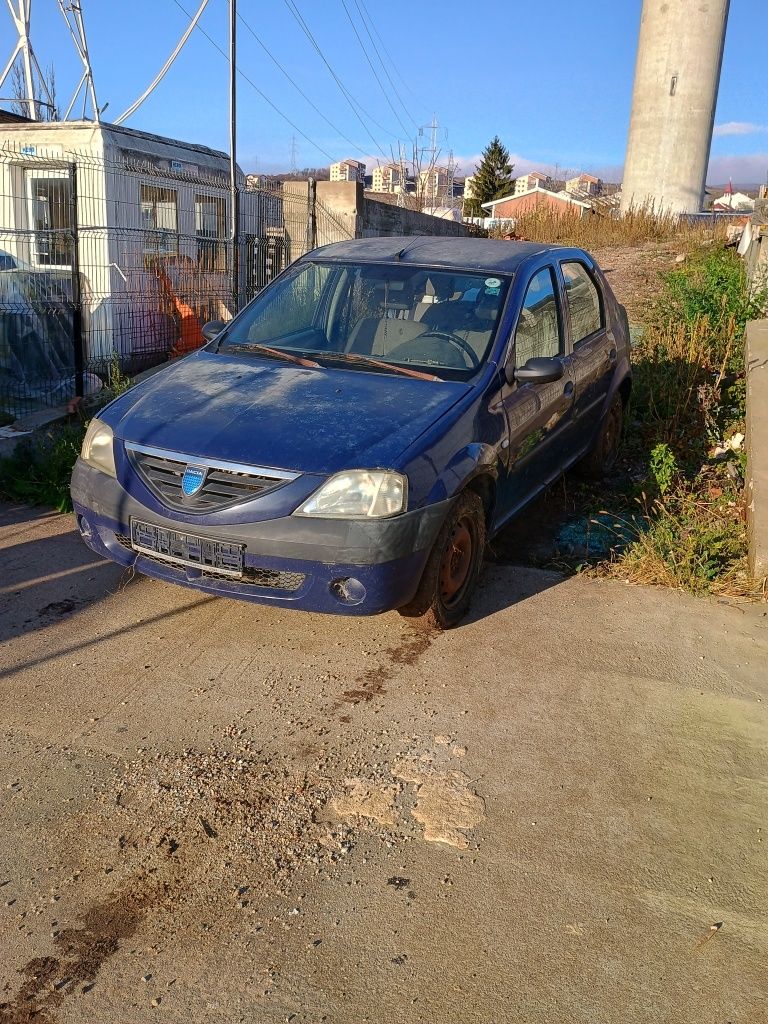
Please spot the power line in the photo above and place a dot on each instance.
(373, 69)
(345, 92)
(383, 65)
(384, 48)
(299, 90)
(255, 87)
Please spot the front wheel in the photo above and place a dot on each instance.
(453, 567)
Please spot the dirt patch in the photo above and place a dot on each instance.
(59, 609)
(237, 804)
(80, 954)
(371, 683)
(633, 272)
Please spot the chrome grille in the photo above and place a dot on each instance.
(224, 484)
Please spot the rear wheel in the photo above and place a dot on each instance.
(453, 567)
(600, 461)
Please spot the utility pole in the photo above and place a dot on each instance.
(234, 233)
(294, 157)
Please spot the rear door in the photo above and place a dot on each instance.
(538, 415)
(593, 347)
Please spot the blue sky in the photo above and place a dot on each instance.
(556, 87)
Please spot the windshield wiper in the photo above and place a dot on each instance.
(353, 357)
(275, 353)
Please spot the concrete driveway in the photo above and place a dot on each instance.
(212, 811)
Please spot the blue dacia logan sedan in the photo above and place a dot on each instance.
(349, 441)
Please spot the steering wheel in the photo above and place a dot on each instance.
(454, 339)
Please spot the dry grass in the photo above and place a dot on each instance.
(688, 399)
(545, 224)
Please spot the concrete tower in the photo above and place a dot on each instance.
(673, 104)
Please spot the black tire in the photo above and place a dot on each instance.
(453, 567)
(601, 460)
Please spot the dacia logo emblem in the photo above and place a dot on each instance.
(193, 480)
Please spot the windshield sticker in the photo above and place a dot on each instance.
(492, 282)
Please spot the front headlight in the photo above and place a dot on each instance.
(359, 494)
(97, 448)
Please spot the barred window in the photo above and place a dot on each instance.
(211, 231)
(50, 199)
(159, 218)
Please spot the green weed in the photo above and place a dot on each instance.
(689, 395)
(38, 471)
(663, 467)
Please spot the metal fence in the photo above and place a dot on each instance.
(109, 265)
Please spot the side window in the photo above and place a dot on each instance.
(583, 301)
(538, 329)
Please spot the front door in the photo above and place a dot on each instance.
(538, 415)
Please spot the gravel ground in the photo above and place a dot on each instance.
(215, 812)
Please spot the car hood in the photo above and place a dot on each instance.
(272, 413)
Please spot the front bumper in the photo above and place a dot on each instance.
(295, 561)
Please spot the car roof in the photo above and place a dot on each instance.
(485, 254)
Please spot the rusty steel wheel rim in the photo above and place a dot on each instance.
(456, 563)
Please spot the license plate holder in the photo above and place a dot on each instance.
(186, 549)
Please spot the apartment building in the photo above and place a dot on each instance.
(348, 170)
(534, 179)
(585, 185)
(434, 183)
(388, 178)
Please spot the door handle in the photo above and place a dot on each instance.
(568, 389)
(612, 355)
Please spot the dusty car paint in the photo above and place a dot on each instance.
(491, 433)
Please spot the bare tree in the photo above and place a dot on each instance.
(45, 110)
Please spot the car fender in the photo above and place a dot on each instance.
(474, 460)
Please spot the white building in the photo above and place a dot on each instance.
(387, 178)
(739, 202)
(348, 170)
(434, 184)
(143, 219)
(584, 185)
(534, 179)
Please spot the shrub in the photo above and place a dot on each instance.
(38, 471)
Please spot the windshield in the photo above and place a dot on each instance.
(375, 317)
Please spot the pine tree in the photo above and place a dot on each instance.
(493, 177)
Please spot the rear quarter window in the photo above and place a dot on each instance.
(584, 301)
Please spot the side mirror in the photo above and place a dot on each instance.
(540, 371)
(212, 329)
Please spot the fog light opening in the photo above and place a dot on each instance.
(85, 527)
(348, 590)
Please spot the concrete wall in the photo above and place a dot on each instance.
(344, 211)
(756, 355)
(380, 219)
(673, 106)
